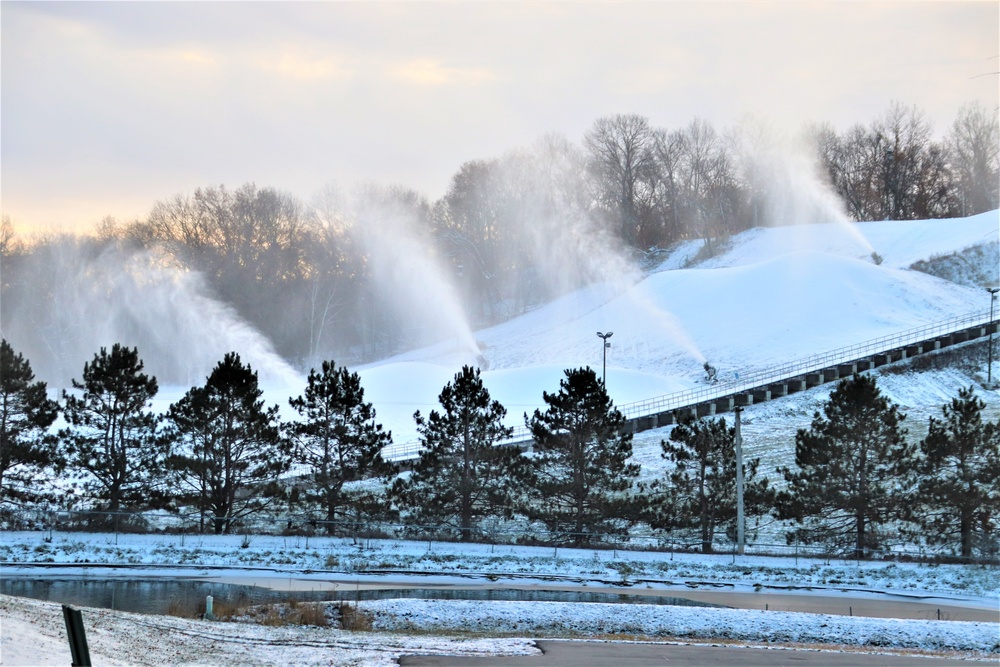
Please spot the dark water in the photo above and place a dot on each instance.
(186, 597)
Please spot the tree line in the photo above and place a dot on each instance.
(513, 231)
(858, 482)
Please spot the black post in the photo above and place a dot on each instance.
(989, 364)
(77, 637)
(604, 366)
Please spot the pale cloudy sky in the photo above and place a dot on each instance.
(107, 107)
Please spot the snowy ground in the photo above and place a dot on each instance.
(32, 632)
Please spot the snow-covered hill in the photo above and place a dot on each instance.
(771, 296)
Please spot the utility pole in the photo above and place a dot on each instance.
(738, 444)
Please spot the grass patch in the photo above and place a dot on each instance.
(354, 619)
(185, 608)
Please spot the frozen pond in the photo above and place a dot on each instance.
(160, 596)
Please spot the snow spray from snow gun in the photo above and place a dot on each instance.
(140, 299)
(410, 280)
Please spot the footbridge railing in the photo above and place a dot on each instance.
(771, 375)
(777, 374)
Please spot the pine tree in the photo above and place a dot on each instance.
(230, 450)
(111, 439)
(701, 490)
(581, 474)
(851, 463)
(26, 413)
(463, 476)
(338, 441)
(960, 476)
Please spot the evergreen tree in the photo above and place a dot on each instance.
(338, 441)
(851, 462)
(581, 474)
(111, 437)
(960, 476)
(26, 413)
(230, 447)
(701, 490)
(462, 476)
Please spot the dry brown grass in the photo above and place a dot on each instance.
(241, 609)
(354, 619)
(313, 613)
(185, 608)
(292, 612)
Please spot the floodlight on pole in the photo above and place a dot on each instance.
(989, 365)
(604, 368)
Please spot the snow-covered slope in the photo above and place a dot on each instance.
(900, 243)
(774, 295)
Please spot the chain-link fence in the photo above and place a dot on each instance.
(123, 524)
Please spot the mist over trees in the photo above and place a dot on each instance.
(335, 276)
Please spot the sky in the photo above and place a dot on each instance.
(109, 107)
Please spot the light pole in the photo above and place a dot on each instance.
(989, 365)
(604, 369)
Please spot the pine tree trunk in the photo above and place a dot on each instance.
(466, 490)
(859, 547)
(965, 527)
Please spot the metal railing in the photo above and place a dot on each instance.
(778, 374)
(755, 379)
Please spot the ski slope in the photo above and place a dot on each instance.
(774, 295)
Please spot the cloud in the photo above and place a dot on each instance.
(428, 72)
(306, 67)
(137, 101)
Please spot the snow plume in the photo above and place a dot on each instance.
(408, 277)
(789, 181)
(569, 250)
(795, 194)
(78, 296)
(566, 247)
(666, 325)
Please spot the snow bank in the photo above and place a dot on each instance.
(560, 619)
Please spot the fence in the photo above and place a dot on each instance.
(123, 525)
(810, 364)
(756, 379)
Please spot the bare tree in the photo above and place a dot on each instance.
(974, 145)
(668, 147)
(902, 138)
(622, 162)
(7, 241)
(709, 188)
